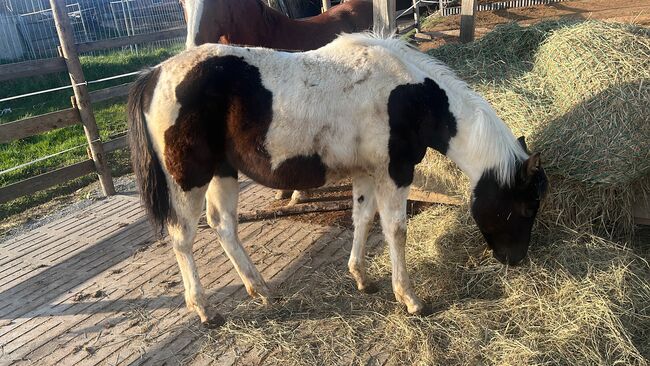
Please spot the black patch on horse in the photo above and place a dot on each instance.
(419, 117)
(221, 128)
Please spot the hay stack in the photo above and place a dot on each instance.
(580, 92)
(581, 300)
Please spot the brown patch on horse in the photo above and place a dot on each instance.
(221, 128)
(247, 123)
(189, 158)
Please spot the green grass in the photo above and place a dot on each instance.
(110, 116)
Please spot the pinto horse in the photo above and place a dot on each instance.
(253, 23)
(361, 107)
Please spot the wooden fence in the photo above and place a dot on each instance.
(80, 112)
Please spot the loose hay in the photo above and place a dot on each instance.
(580, 93)
(581, 299)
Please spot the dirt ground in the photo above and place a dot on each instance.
(445, 29)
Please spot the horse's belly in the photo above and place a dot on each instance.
(298, 172)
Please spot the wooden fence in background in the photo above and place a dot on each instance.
(79, 113)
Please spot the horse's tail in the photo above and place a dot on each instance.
(149, 173)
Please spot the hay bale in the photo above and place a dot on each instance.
(580, 300)
(580, 93)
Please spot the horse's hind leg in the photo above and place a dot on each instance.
(182, 230)
(222, 197)
(363, 212)
(391, 202)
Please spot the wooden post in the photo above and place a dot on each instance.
(327, 4)
(82, 98)
(383, 17)
(467, 11)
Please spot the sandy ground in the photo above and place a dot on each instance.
(445, 29)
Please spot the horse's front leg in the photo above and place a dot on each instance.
(182, 230)
(391, 201)
(222, 197)
(363, 212)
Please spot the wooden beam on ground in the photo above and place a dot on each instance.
(110, 92)
(303, 208)
(38, 124)
(82, 98)
(467, 11)
(46, 180)
(31, 68)
(383, 17)
(431, 197)
(126, 41)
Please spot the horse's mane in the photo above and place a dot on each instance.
(491, 142)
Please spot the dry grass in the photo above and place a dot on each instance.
(579, 92)
(581, 299)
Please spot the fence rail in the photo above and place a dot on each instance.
(38, 124)
(31, 68)
(45, 180)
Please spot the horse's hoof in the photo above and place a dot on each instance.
(425, 311)
(280, 195)
(215, 322)
(371, 288)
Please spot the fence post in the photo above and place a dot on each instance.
(467, 11)
(383, 17)
(68, 48)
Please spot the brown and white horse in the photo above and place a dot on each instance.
(360, 107)
(253, 23)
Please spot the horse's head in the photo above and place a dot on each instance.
(505, 214)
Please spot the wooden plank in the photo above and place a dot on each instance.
(467, 11)
(81, 96)
(46, 180)
(31, 68)
(116, 144)
(126, 41)
(38, 124)
(110, 93)
(423, 196)
(383, 17)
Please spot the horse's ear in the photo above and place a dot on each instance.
(522, 142)
(532, 164)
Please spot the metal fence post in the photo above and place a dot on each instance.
(68, 48)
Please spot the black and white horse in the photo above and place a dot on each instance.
(360, 107)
